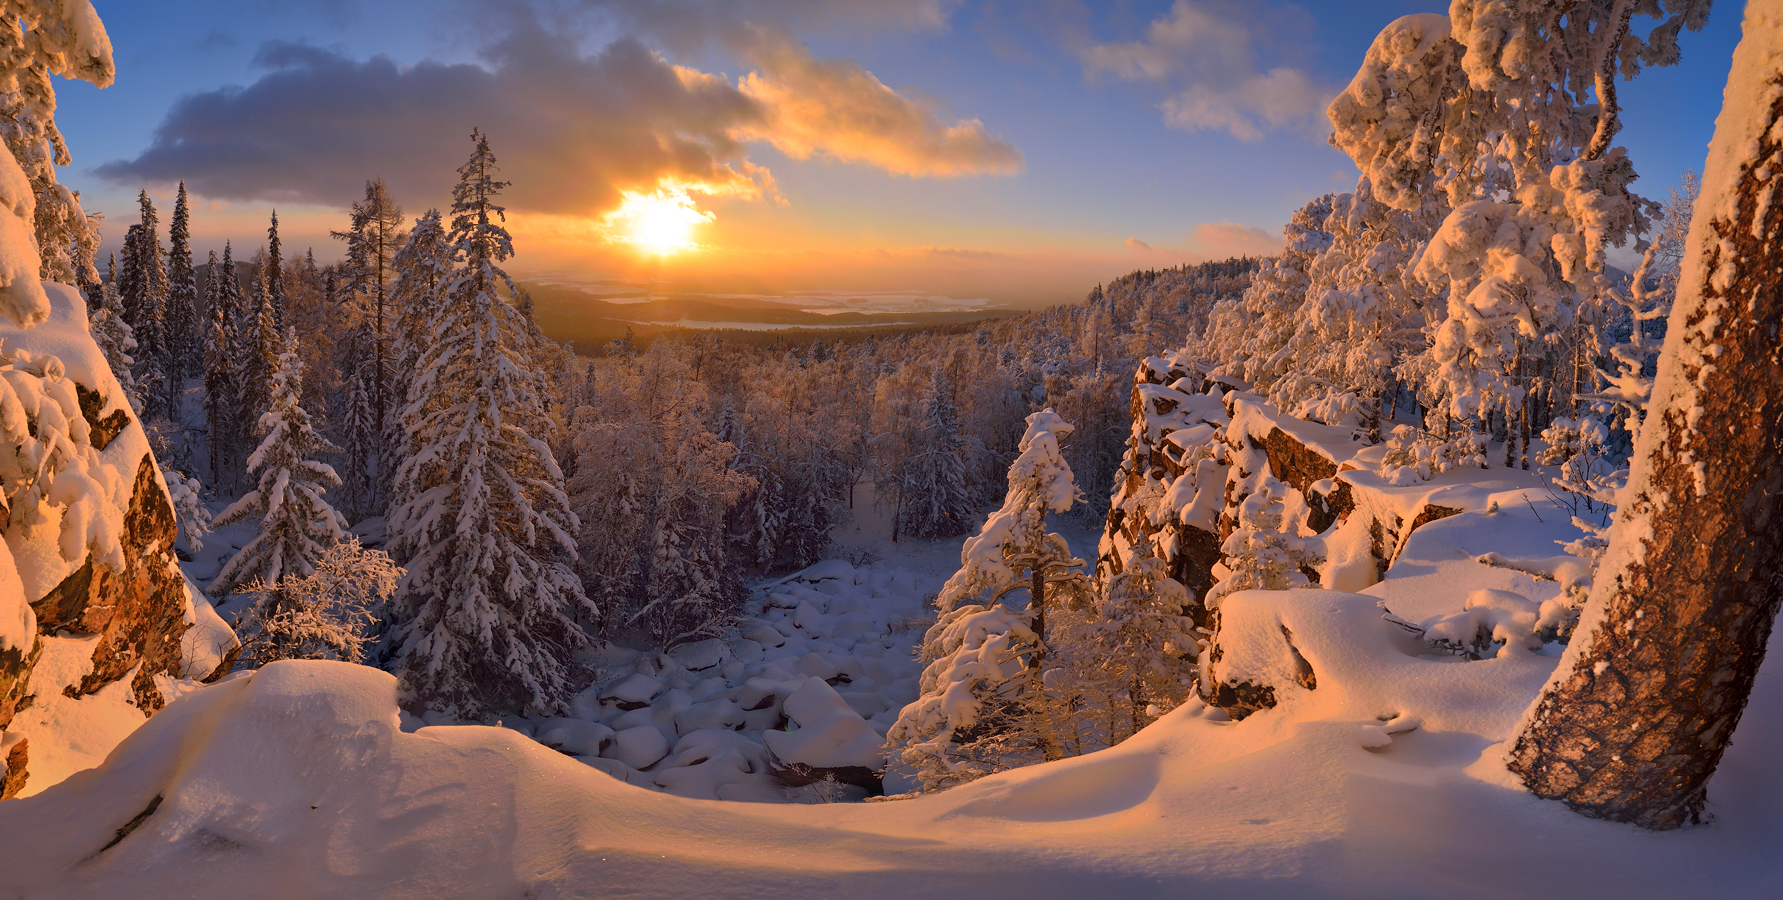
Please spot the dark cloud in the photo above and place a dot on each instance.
(570, 129)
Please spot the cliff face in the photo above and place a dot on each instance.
(91, 599)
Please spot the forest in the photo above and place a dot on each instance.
(1462, 503)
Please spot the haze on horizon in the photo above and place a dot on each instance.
(980, 151)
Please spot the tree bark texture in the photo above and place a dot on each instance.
(1642, 707)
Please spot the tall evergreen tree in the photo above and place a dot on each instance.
(487, 615)
(373, 239)
(297, 526)
(222, 390)
(361, 438)
(273, 272)
(423, 262)
(257, 348)
(154, 375)
(184, 336)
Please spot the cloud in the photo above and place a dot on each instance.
(569, 130)
(1224, 239)
(1206, 53)
(692, 24)
(572, 130)
(840, 110)
(1134, 243)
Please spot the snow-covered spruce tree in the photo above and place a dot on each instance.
(1261, 553)
(272, 272)
(257, 350)
(188, 509)
(106, 323)
(296, 526)
(985, 659)
(1648, 695)
(44, 224)
(934, 497)
(185, 336)
(323, 615)
(1258, 554)
(486, 618)
(147, 311)
(357, 423)
(421, 264)
(222, 390)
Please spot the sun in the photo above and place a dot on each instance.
(660, 223)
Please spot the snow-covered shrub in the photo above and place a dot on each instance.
(967, 721)
(188, 508)
(1259, 554)
(322, 615)
(1589, 477)
(1414, 454)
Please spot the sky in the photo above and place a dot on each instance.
(1019, 151)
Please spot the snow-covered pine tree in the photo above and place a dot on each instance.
(1650, 691)
(487, 616)
(149, 317)
(935, 493)
(185, 335)
(43, 225)
(1259, 554)
(1508, 109)
(1262, 553)
(189, 514)
(297, 526)
(984, 659)
(257, 349)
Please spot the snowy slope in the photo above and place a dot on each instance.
(296, 781)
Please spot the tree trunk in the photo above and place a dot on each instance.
(1644, 703)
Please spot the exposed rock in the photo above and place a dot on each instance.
(139, 613)
(14, 779)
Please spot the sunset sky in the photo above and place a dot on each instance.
(1016, 151)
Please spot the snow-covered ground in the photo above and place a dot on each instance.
(1382, 782)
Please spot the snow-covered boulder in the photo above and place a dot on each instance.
(89, 533)
(831, 740)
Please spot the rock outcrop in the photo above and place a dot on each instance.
(1200, 446)
(89, 532)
